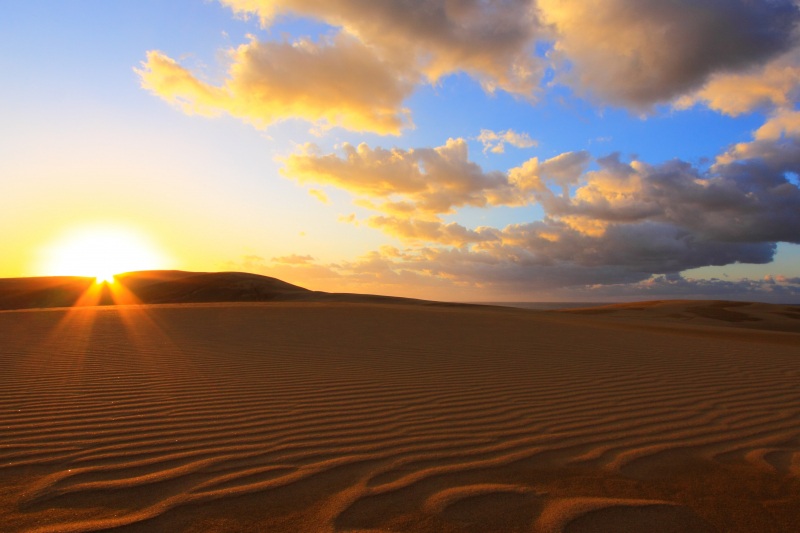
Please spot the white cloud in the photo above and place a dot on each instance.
(495, 142)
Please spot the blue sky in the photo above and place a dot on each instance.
(241, 164)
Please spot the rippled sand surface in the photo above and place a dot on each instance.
(381, 417)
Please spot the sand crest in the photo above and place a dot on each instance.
(331, 416)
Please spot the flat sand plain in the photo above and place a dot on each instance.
(382, 417)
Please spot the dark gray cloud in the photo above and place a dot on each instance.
(641, 52)
(740, 201)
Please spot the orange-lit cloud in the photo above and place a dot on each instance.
(776, 142)
(431, 231)
(293, 259)
(775, 84)
(319, 195)
(426, 181)
(269, 82)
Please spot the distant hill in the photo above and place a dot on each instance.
(166, 286)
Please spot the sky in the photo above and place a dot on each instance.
(462, 150)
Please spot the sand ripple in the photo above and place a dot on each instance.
(349, 417)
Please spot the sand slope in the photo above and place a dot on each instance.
(377, 417)
(672, 313)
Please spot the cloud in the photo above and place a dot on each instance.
(491, 41)
(319, 195)
(634, 53)
(775, 84)
(733, 55)
(563, 170)
(638, 53)
(268, 82)
(164, 77)
(744, 200)
(495, 142)
(776, 145)
(427, 181)
(426, 231)
(293, 259)
(619, 223)
(477, 276)
(377, 272)
(771, 289)
(358, 77)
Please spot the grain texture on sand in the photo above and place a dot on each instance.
(365, 417)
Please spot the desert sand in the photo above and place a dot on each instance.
(399, 416)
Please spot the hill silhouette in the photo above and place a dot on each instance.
(166, 287)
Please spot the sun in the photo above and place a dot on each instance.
(101, 253)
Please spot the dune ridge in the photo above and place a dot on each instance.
(320, 416)
(166, 287)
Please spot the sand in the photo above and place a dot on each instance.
(381, 417)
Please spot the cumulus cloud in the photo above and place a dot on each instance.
(338, 82)
(491, 41)
(620, 223)
(641, 52)
(358, 78)
(425, 181)
(626, 52)
(776, 144)
(495, 142)
(743, 200)
(563, 170)
(775, 84)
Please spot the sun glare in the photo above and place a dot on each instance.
(101, 253)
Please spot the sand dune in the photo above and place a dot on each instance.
(331, 416)
(166, 286)
(671, 313)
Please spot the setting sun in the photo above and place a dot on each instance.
(101, 253)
